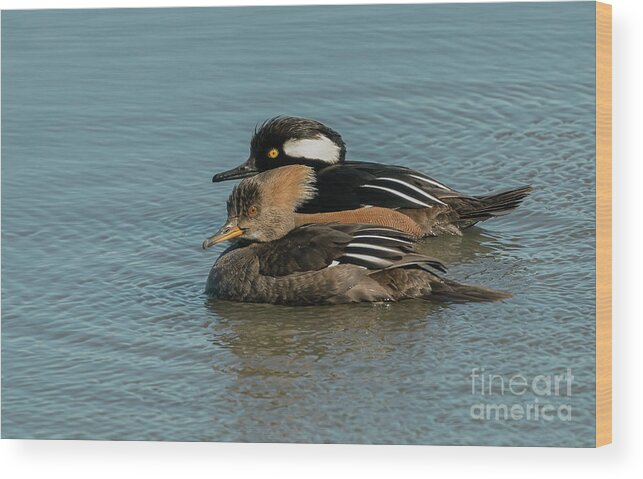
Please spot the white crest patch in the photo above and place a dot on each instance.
(320, 148)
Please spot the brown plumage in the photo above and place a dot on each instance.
(366, 216)
(273, 260)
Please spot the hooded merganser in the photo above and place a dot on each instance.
(347, 185)
(272, 260)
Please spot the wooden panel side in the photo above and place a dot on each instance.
(603, 224)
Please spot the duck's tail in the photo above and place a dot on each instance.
(480, 208)
(453, 291)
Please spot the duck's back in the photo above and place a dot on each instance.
(353, 184)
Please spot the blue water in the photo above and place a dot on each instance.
(113, 122)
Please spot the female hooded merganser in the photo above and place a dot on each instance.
(272, 260)
(347, 185)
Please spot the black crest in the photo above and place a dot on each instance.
(278, 130)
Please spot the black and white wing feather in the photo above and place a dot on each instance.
(317, 246)
(355, 184)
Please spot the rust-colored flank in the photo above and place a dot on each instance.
(368, 216)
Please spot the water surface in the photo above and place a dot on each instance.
(113, 122)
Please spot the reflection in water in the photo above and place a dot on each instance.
(281, 355)
(257, 331)
(459, 249)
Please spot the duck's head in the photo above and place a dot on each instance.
(288, 140)
(262, 208)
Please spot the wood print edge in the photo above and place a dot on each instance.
(603, 224)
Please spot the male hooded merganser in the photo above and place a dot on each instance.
(347, 185)
(272, 260)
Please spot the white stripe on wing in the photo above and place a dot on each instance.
(372, 246)
(384, 238)
(414, 188)
(397, 193)
(432, 182)
(368, 258)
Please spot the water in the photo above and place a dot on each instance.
(114, 122)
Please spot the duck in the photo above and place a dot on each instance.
(273, 259)
(342, 185)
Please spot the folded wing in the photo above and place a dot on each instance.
(317, 246)
(352, 185)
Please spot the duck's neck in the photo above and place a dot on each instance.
(371, 216)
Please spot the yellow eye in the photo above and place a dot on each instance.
(252, 211)
(274, 153)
